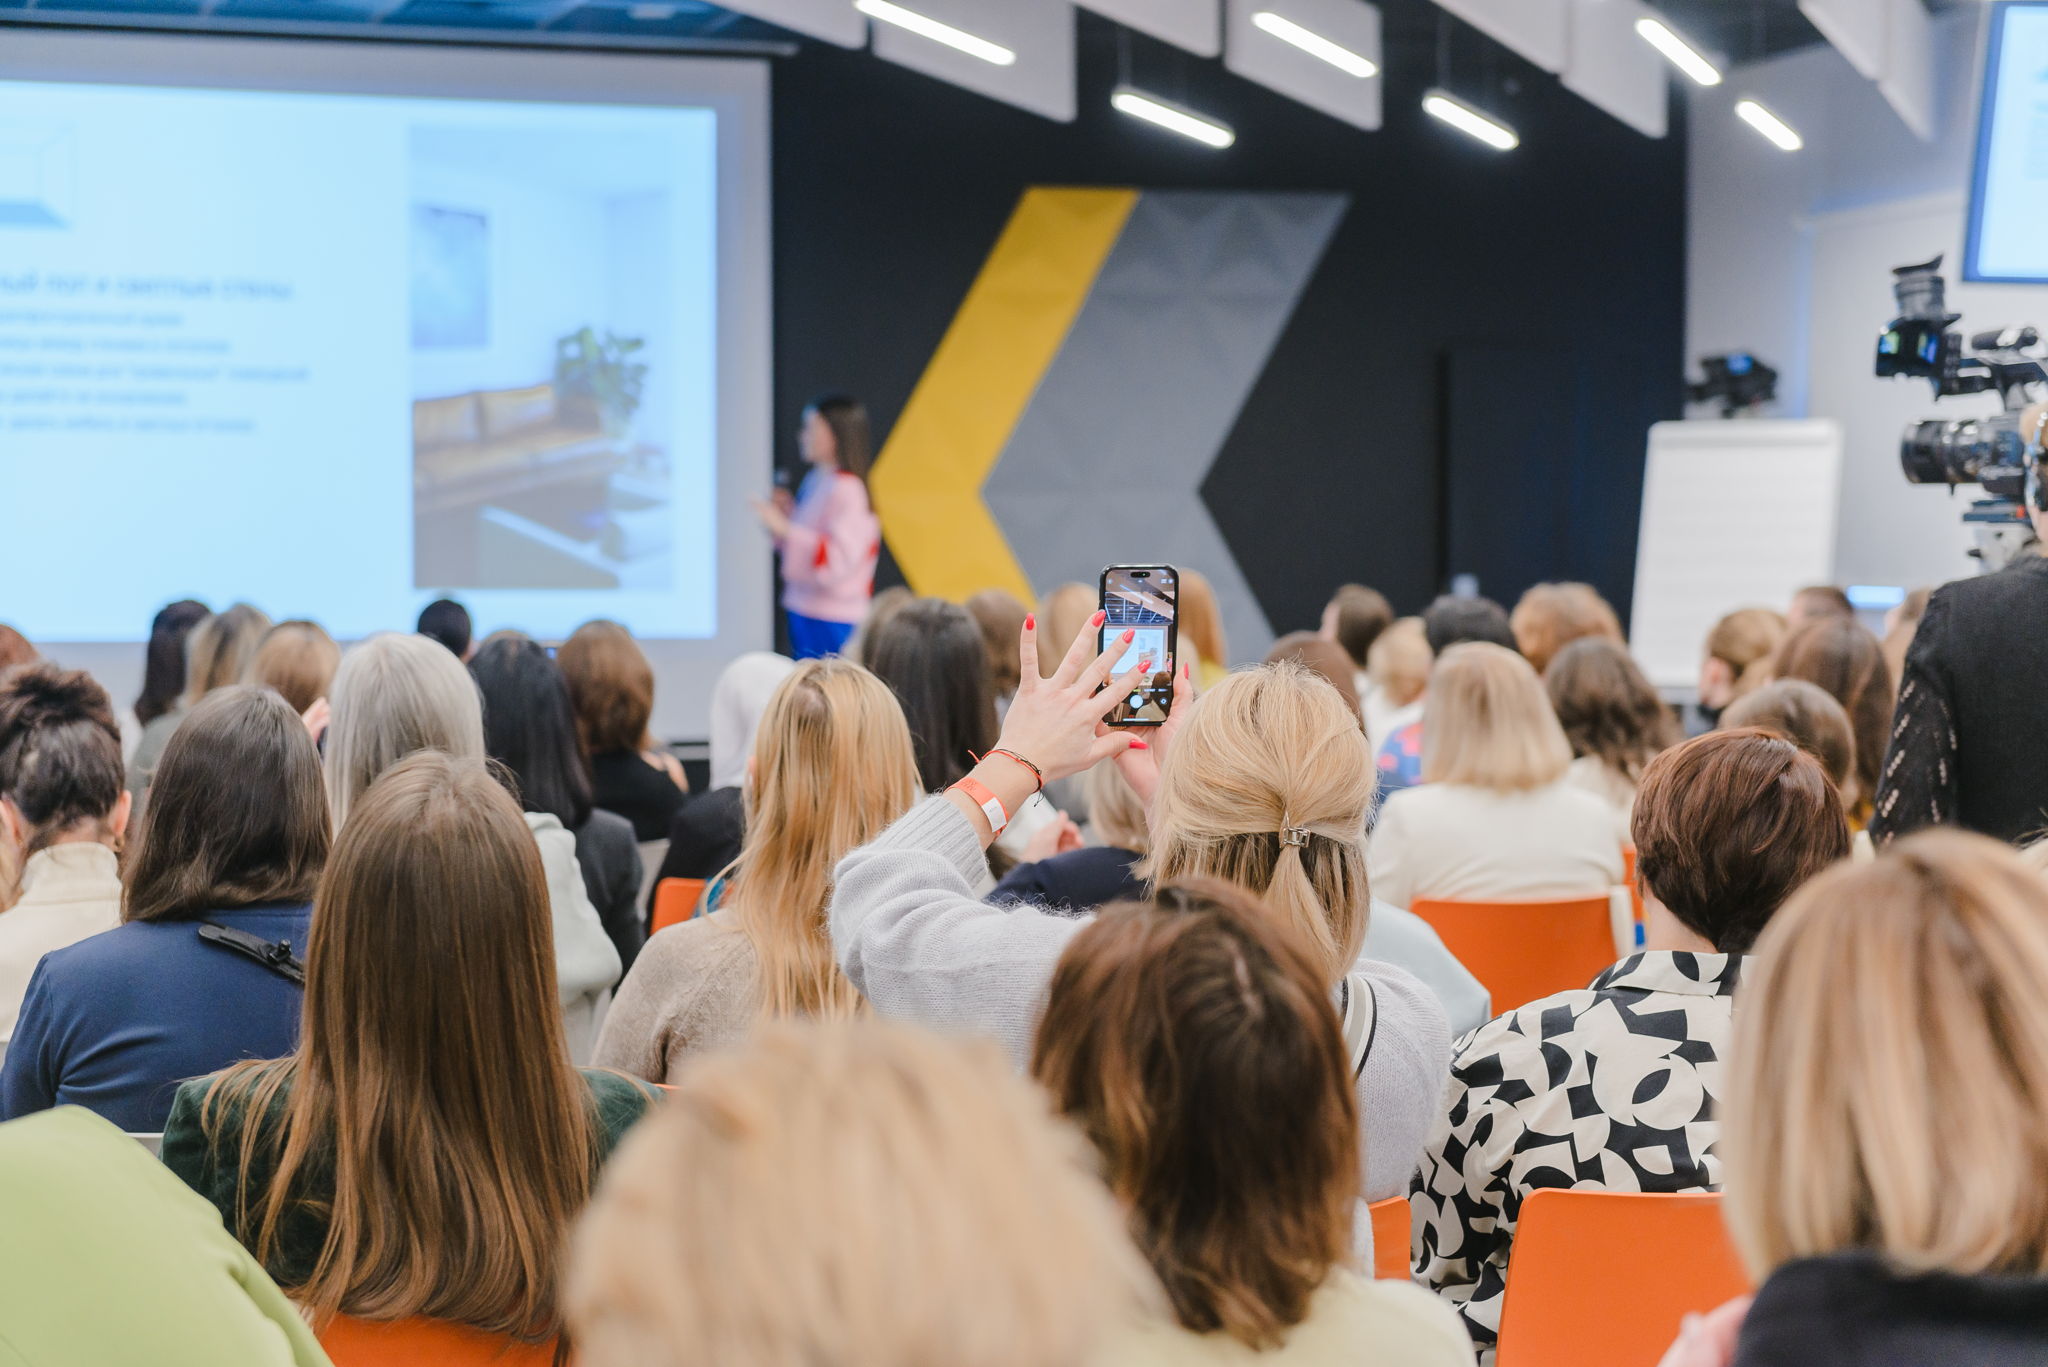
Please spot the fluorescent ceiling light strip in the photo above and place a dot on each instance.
(1677, 51)
(1185, 122)
(1314, 44)
(1470, 121)
(925, 26)
(1768, 124)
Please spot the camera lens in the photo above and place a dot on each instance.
(1963, 451)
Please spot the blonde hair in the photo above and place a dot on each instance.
(1891, 1066)
(1265, 752)
(1064, 613)
(1488, 723)
(394, 695)
(298, 660)
(220, 648)
(1745, 640)
(833, 766)
(1201, 620)
(1116, 816)
(852, 1194)
(1550, 617)
(1399, 660)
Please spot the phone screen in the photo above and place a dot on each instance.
(1143, 599)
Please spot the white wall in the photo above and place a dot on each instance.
(1791, 257)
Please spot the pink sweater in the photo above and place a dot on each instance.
(828, 557)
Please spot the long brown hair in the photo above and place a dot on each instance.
(611, 685)
(833, 766)
(1193, 1040)
(236, 815)
(1841, 655)
(432, 1072)
(1606, 706)
(298, 659)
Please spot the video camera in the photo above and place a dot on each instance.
(1992, 451)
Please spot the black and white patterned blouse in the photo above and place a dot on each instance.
(1612, 1087)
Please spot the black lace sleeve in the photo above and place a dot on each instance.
(1917, 786)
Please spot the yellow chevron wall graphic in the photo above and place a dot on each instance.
(927, 481)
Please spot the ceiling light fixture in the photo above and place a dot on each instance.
(1770, 125)
(924, 26)
(1678, 51)
(1469, 121)
(1173, 117)
(1315, 44)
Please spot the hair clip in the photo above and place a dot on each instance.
(1294, 835)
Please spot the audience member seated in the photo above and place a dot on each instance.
(706, 834)
(1396, 673)
(217, 653)
(163, 669)
(1901, 624)
(1353, 619)
(1818, 603)
(1840, 655)
(1082, 879)
(612, 686)
(197, 975)
(1549, 617)
(425, 1148)
(447, 621)
(1496, 816)
(530, 729)
(63, 812)
(108, 1261)
(1883, 1130)
(1804, 714)
(1614, 720)
(396, 695)
(1203, 647)
(1000, 617)
(1064, 616)
(298, 659)
(1193, 1041)
(851, 1195)
(1449, 621)
(881, 608)
(15, 649)
(1614, 1087)
(832, 767)
(1265, 783)
(1737, 660)
(1324, 658)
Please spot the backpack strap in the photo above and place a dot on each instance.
(274, 955)
(1359, 1004)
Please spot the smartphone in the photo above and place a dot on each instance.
(1145, 600)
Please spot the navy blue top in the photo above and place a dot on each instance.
(1075, 882)
(115, 1022)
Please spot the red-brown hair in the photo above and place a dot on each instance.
(611, 686)
(1193, 1040)
(1841, 655)
(1730, 824)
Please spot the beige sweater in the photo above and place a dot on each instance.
(1352, 1322)
(68, 892)
(695, 986)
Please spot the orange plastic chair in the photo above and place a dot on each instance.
(1606, 1276)
(352, 1342)
(1524, 950)
(1635, 889)
(675, 900)
(1390, 1234)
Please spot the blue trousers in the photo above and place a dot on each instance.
(811, 638)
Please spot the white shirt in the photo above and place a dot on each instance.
(1382, 717)
(1464, 843)
(68, 892)
(1351, 1321)
(586, 961)
(1589, 773)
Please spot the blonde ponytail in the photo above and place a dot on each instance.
(1269, 787)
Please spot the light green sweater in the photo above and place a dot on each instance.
(108, 1260)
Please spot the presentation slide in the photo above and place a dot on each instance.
(340, 354)
(2009, 201)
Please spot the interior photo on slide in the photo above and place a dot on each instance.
(539, 409)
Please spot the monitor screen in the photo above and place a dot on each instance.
(2009, 192)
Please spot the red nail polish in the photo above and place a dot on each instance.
(1139, 745)
(1030, 621)
(1098, 619)
(1130, 634)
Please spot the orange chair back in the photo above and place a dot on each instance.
(352, 1342)
(1524, 950)
(1390, 1238)
(1635, 889)
(675, 900)
(1606, 1276)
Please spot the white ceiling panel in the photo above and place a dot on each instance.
(1039, 32)
(1613, 67)
(1538, 29)
(1857, 28)
(1908, 80)
(835, 21)
(1196, 25)
(1352, 25)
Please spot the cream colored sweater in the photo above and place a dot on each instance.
(695, 986)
